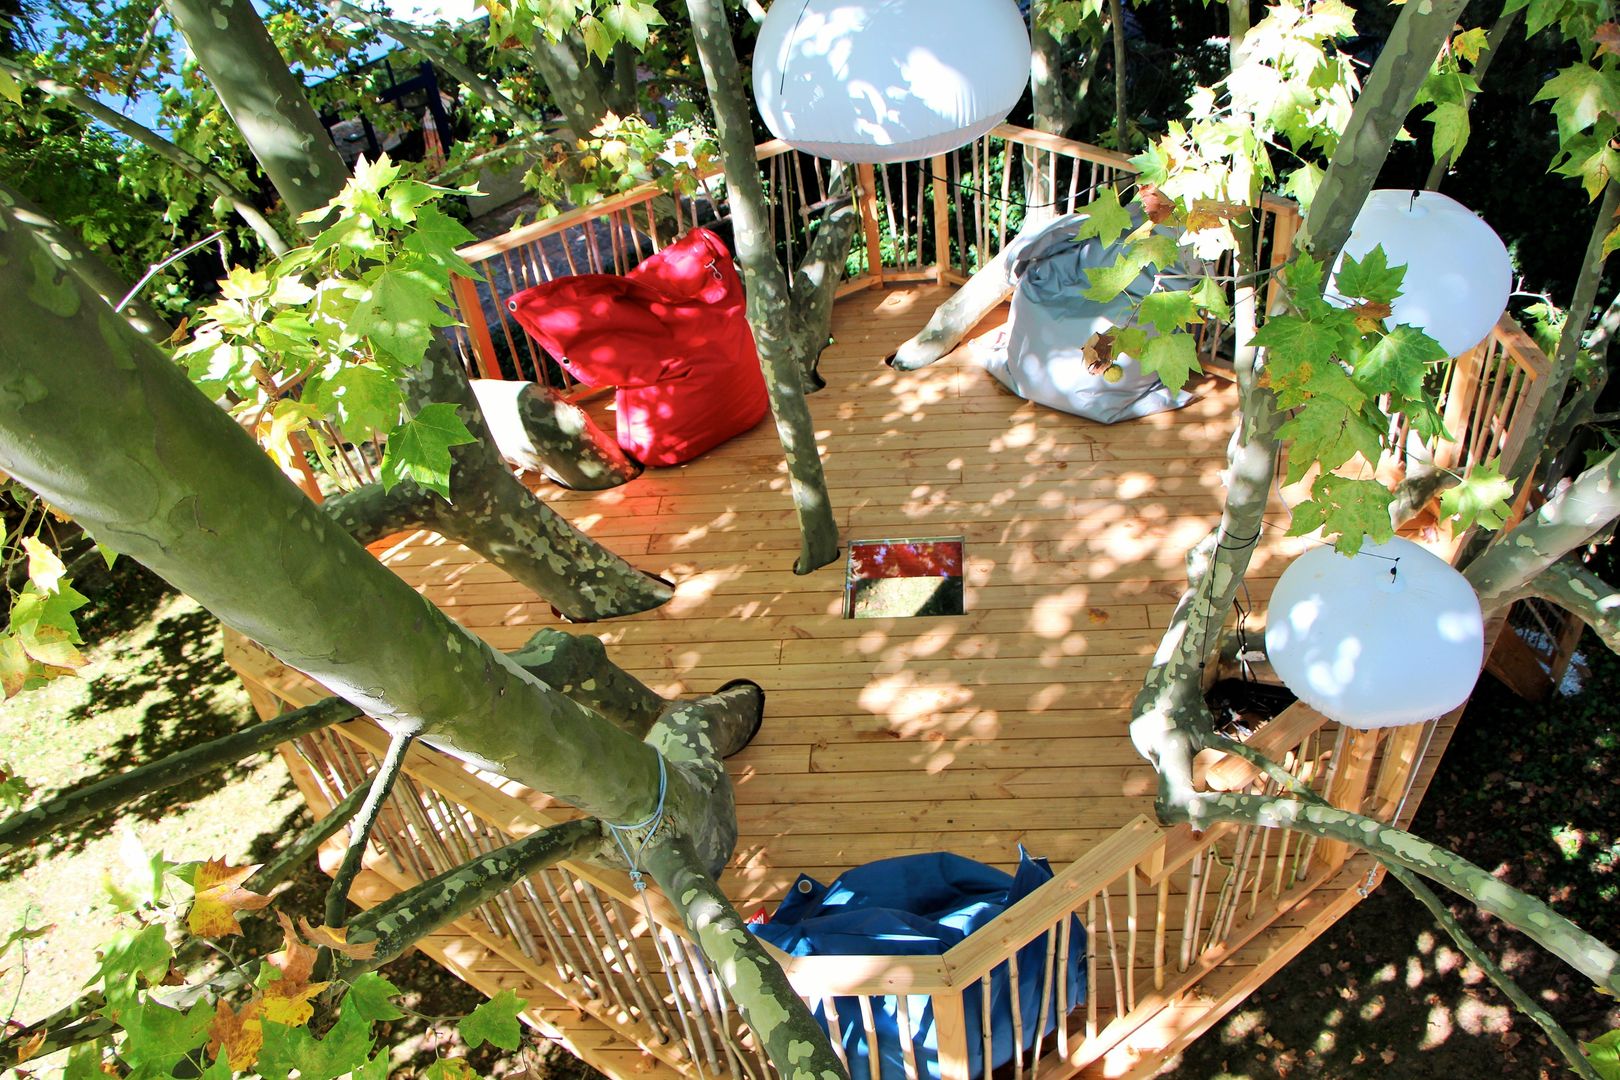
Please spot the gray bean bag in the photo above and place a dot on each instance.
(1042, 357)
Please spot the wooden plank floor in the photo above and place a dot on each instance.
(888, 737)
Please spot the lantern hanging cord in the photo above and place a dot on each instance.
(792, 36)
(1209, 590)
(651, 825)
(963, 185)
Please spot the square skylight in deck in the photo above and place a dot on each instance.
(889, 579)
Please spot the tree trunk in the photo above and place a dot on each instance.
(264, 99)
(769, 303)
(815, 284)
(537, 431)
(1583, 594)
(1054, 107)
(1116, 19)
(575, 88)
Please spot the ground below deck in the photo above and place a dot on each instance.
(888, 737)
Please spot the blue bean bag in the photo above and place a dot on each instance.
(921, 905)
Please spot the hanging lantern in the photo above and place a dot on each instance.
(888, 80)
(1391, 635)
(1458, 274)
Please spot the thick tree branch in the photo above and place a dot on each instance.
(1571, 518)
(575, 88)
(536, 430)
(407, 917)
(67, 809)
(1116, 23)
(392, 764)
(1558, 453)
(75, 98)
(309, 842)
(1582, 593)
(577, 665)
(815, 282)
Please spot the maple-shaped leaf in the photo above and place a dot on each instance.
(1370, 315)
(372, 996)
(399, 310)
(156, 1036)
(1103, 283)
(1210, 296)
(1352, 511)
(436, 237)
(1297, 383)
(1603, 1054)
(363, 398)
(1370, 277)
(1580, 94)
(45, 568)
(419, 449)
(1591, 159)
(1167, 310)
(15, 665)
(1292, 340)
(1397, 363)
(1607, 37)
(1451, 129)
(1158, 206)
(9, 89)
(286, 999)
(336, 939)
(1172, 357)
(1106, 219)
(495, 1022)
(1325, 432)
(289, 1048)
(1484, 496)
(219, 896)
(239, 1035)
(450, 1069)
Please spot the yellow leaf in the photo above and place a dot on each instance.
(286, 1000)
(31, 1046)
(45, 569)
(220, 896)
(337, 939)
(239, 1034)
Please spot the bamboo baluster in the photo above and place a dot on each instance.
(579, 955)
(1402, 758)
(471, 310)
(1479, 438)
(1045, 1010)
(689, 992)
(874, 1052)
(1189, 925)
(728, 1032)
(317, 765)
(596, 954)
(1160, 926)
(512, 342)
(961, 213)
(712, 1009)
(803, 190)
(628, 973)
(897, 238)
(1496, 433)
(987, 1039)
(902, 1026)
(1017, 1007)
(1006, 191)
(436, 844)
(670, 945)
(1113, 954)
(1091, 968)
(1259, 872)
(405, 857)
(1061, 1002)
(1130, 938)
(951, 1035)
(471, 845)
(566, 971)
(652, 229)
(1212, 863)
(942, 219)
(978, 190)
(638, 961)
(835, 1028)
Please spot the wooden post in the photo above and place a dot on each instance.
(1401, 760)
(950, 1024)
(1284, 227)
(471, 310)
(942, 219)
(1347, 788)
(1460, 403)
(869, 219)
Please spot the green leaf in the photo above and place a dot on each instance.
(55, 609)
(1483, 497)
(1325, 432)
(419, 449)
(363, 398)
(1469, 44)
(1350, 510)
(346, 1047)
(1295, 384)
(495, 1022)
(399, 310)
(1302, 184)
(598, 39)
(1103, 283)
(132, 955)
(436, 237)
(1172, 357)
(1371, 278)
(155, 1037)
(372, 996)
(9, 88)
(1451, 128)
(1591, 159)
(1105, 219)
(1168, 310)
(1398, 362)
(1293, 340)
(1603, 1054)
(1210, 295)
(1580, 94)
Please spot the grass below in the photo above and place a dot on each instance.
(1531, 792)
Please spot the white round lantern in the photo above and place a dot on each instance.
(1458, 274)
(1391, 635)
(888, 80)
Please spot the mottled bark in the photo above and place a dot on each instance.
(1493, 41)
(1583, 594)
(1576, 319)
(794, 1041)
(111, 431)
(308, 844)
(444, 59)
(575, 88)
(769, 302)
(1417, 490)
(70, 808)
(1386, 99)
(1586, 954)
(1570, 519)
(187, 163)
(92, 271)
(815, 283)
(1559, 452)
(264, 99)
(536, 430)
(409, 916)
(622, 90)
(365, 820)
(1054, 107)
(1116, 20)
(578, 667)
(951, 321)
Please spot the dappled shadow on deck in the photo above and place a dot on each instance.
(891, 736)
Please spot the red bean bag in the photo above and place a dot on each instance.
(671, 335)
